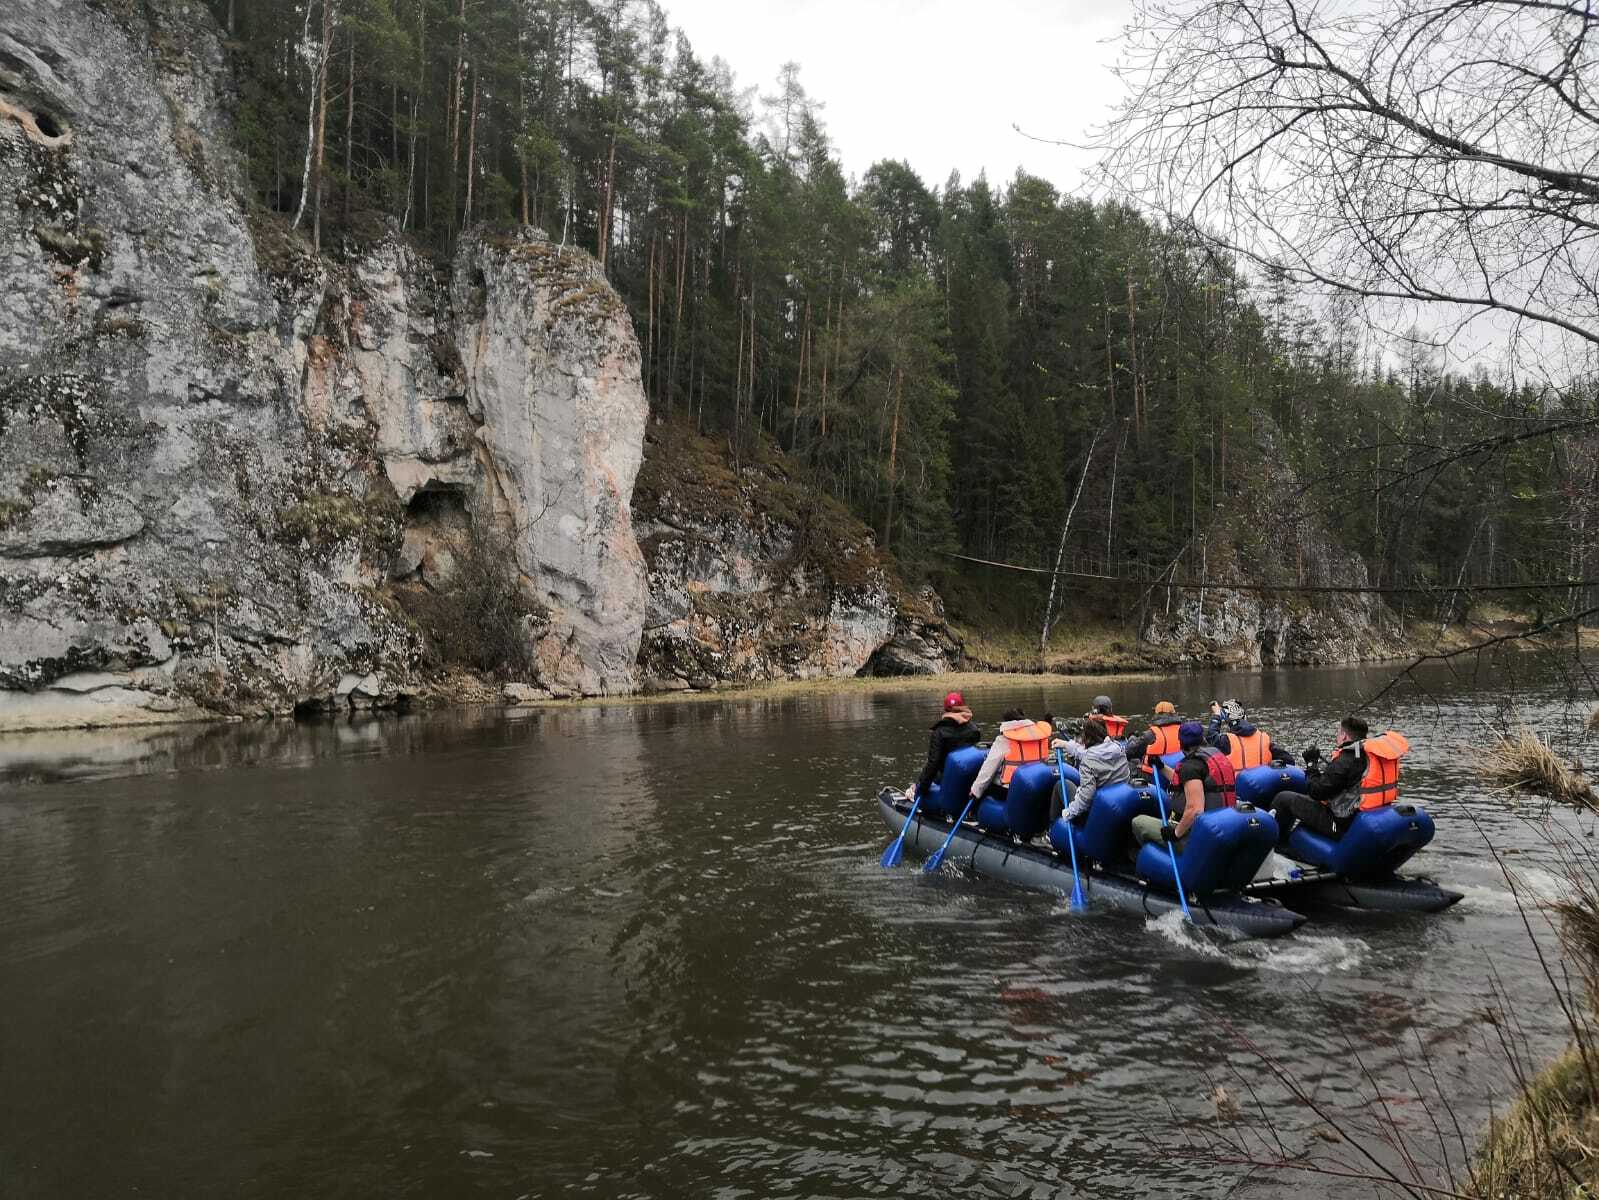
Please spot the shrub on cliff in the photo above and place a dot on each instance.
(480, 616)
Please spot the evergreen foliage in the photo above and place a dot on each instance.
(939, 358)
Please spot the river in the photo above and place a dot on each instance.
(647, 950)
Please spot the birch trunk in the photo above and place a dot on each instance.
(1060, 551)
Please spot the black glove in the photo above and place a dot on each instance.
(1168, 834)
(1311, 755)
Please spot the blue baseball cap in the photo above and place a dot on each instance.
(1190, 733)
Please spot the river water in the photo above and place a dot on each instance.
(647, 950)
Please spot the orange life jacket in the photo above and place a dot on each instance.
(1114, 725)
(1221, 787)
(1023, 746)
(1251, 751)
(1379, 786)
(1165, 731)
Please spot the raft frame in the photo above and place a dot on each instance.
(1041, 869)
(1397, 894)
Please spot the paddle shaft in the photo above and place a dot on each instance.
(1071, 839)
(938, 855)
(1177, 877)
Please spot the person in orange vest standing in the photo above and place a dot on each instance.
(1243, 742)
(1020, 741)
(1103, 711)
(1362, 774)
(1160, 738)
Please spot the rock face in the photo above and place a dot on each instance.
(552, 372)
(753, 579)
(1276, 538)
(218, 452)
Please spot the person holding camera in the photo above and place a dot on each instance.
(1332, 794)
(1242, 741)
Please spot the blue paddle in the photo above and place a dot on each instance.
(1071, 840)
(1160, 797)
(896, 850)
(938, 855)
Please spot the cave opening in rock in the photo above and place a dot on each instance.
(437, 504)
(1268, 646)
(49, 125)
(437, 526)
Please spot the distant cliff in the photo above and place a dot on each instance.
(1272, 535)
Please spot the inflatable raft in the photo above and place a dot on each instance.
(1222, 853)
(1358, 869)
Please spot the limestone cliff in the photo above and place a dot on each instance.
(755, 576)
(221, 456)
(1272, 535)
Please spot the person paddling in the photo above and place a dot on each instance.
(1160, 738)
(1202, 782)
(1100, 762)
(953, 729)
(1105, 712)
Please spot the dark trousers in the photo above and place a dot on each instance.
(1291, 807)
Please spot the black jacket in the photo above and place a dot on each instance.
(948, 733)
(1342, 772)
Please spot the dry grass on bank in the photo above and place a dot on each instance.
(1547, 1145)
(933, 686)
(1523, 761)
(1074, 646)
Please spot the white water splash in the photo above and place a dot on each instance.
(1299, 952)
(1308, 954)
(1173, 928)
(1534, 885)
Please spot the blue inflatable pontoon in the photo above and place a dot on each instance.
(1358, 869)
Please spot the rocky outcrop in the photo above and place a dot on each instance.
(220, 454)
(552, 372)
(1274, 536)
(753, 578)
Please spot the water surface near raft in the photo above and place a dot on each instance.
(626, 950)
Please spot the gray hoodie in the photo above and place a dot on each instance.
(1099, 767)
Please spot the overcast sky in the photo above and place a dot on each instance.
(939, 83)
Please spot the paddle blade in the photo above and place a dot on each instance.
(1078, 903)
(895, 852)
